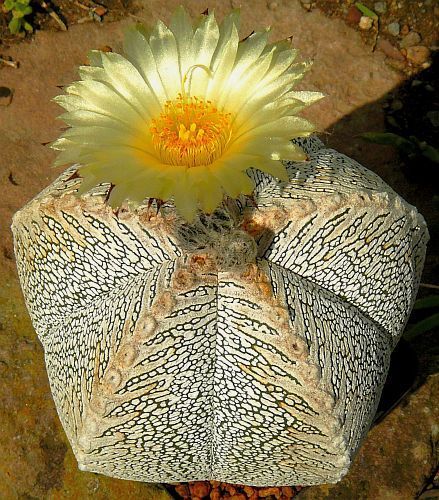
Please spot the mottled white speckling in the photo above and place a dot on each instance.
(172, 359)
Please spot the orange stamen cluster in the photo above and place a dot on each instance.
(190, 132)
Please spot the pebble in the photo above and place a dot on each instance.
(418, 54)
(390, 50)
(5, 96)
(354, 15)
(396, 105)
(365, 23)
(433, 116)
(396, 65)
(404, 30)
(306, 4)
(380, 7)
(100, 11)
(410, 40)
(393, 28)
(273, 5)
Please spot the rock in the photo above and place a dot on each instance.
(411, 39)
(397, 461)
(306, 4)
(353, 16)
(418, 54)
(431, 494)
(100, 11)
(5, 96)
(396, 105)
(390, 50)
(365, 23)
(380, 7)
(273, 5)
(396, 64)
(433, 116)
(393, 28)
(199, 488)
(404, 30)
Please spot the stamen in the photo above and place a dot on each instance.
(190, 132)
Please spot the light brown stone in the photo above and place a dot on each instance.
(418, 54)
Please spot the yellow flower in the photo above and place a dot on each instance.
(185, 113)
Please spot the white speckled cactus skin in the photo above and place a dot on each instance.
(251, 348)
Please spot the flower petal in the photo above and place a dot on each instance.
(84, 118)
(181, 27)
(238, 85)
(185, 198)
(224, 57)
(290, 126)
(203, 45)
(209, 192)
(232, 179)
(140, 55)
(164, 50)
(103, 97)
(128, 83)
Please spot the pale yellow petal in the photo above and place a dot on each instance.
(274, 168)
(69, 156)
(237, 85)
(88, 183)
(231, 177)
(225, 54)
(274, 148)
(290, 126)
(128, 83)
(250, 49)
(307, 96)
(102, 96)
(164, 49)
(185, 196)
(91, 73)
(208, 191)
(249, 104)
(203, 47)
(95, 58)
(139, 53)
(181, 27)
(83, 117)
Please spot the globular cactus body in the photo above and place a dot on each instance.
(249, 347)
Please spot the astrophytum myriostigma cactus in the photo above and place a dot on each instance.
(250, 347)
(192, 331)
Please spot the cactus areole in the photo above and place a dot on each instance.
(191, 331)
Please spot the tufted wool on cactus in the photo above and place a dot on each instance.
(250, 346)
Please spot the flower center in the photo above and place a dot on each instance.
(190, 131)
